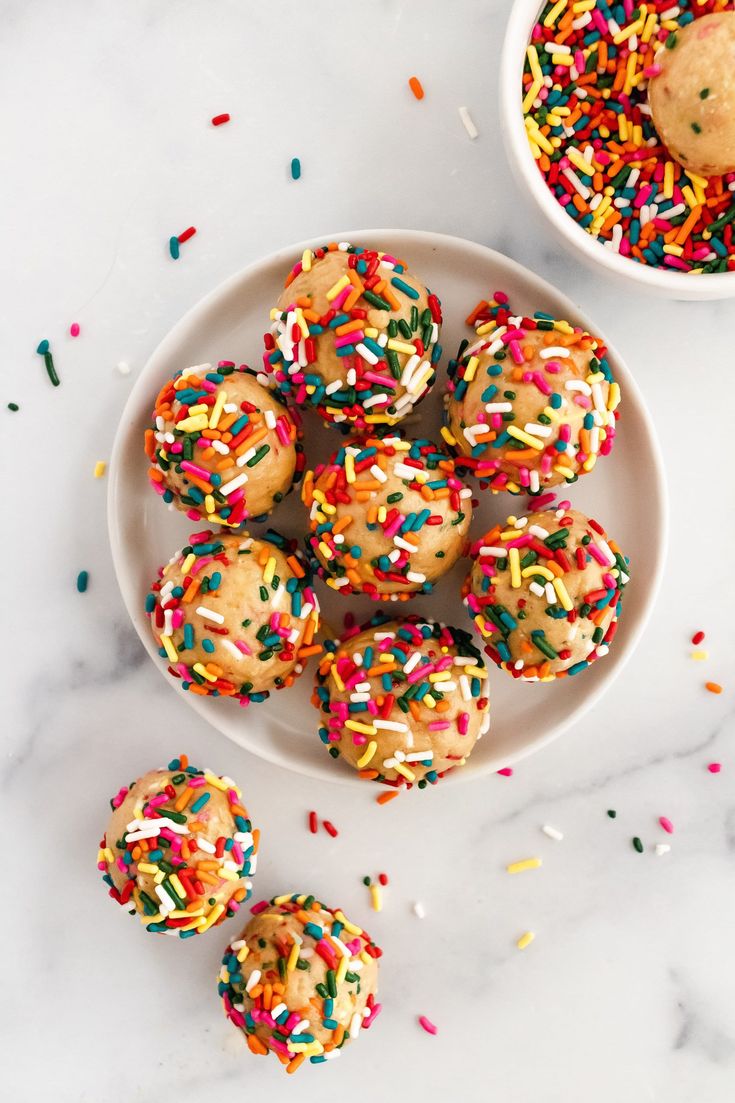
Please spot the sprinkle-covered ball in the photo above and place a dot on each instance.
(402, 701)
(222, 446)
(354, 334)
(545, 593)
(531, 403)
(300, 981)
(235, 616)
(179, 849)
(692, 95)
(388, 517)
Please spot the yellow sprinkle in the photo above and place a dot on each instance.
(293, 957)
(627, 32)
(350, 467)
(376, 898)
(243, 952)
(217, 409)
(306, 259)
(212, 918)
(534, 64)
(217, 782)
(535, 569)
(514, 561)
(429, 701)
(448, 437)
(337, 680)
(167, 644)
(356, 726)
(201, 669)
(526, 438)
(339, 286)
(146, 867)
(228, 874)
(269, 570)
(613, 398)
(563, 595)
(525, 940)
(342, 969)
(470, 370)
(530, 96)
(177, 886)
(700, 656)
(367, 755)
(401, 346)
(522, 866)
(404, 771)
(99, 469)
(511, 534)
(192, 424)
(351, 928)
(440, 676)
(555, 13)
(209, 503)
(177, 914)
(562, 469)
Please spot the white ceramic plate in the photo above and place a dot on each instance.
(229, 324)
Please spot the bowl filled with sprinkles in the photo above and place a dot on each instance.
(619, 117)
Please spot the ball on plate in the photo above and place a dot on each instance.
(354, 334)
(388, 517)
(300, 981)
(179, 849)
(545, 593)
(402, 701)
(235, 616)
(222, 446)
(531, 402)
(692, 95)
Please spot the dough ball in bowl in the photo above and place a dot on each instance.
(355, 335)
(222, 447)
(179, 849)
(387, 517)
(300, 981)
(545, 593)
(692, 95)
(235, 616)
(531, 402)
(402, 701)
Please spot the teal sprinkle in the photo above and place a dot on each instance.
(82, 581)
(173, 247)
(295, 168)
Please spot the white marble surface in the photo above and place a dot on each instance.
(626, 994)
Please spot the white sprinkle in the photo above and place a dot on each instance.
(252, 980)
(418, 910)
(662, 848)
(554, 350)
(123, 368)
(468, 123)
(209, 614)
(552, 832)
(234, 484)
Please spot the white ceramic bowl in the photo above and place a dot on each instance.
(229, 323)
(672, 285)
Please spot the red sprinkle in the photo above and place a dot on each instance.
(697, 637)
(507, 771)
(666, 824)
(330, 828)
(383, 878)
(218, 120)
(186, 235)
(428, 1025)
(714, 767)
(313, 823)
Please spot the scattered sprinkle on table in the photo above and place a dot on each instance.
(173, 247)
(122, 367)
(714, 767)
(611, 813)
(376, 898)
(428, 1025)
(468, 123)
(330, 828)
(666, 824)
(525, 940)
(507, 771)
(383, 878)
(523, 865)
(637, 844)
(295, 168)
(99, 469)
(13, 406)
(662, 848)
(74, 329)
(219, 120)
(713, 687)
(700, 655)
(186, 234)
(552, 832)
(697, 638)
(313, 823)
(419, 910)
(416, 87)
(45, 351)
(82, 581)
(383, 798)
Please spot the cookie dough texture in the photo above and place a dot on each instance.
(545, 593)
(354, 334)
(388, 517)
(531, 403)
(222, 447)
(402, 701)
(693, 97)
(179, 849)
(300, 981)
(235, 616)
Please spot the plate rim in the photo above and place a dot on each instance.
(285, 255)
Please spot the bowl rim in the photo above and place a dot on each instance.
(282, 257)
(523, 15)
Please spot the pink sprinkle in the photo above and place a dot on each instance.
(258, 908)
(714, 767)
(74, 329)
(507, 771)
(652, 71)
(427, 1025)
(666, 824)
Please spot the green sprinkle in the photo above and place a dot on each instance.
(82, 581)
(637, 844)
(611, 813)
(43, 350)
(696, 128)
(13, 406)
(670, 41)
(704, 93)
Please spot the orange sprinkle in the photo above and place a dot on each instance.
(416, 87)
(383, 798)
(713, 687)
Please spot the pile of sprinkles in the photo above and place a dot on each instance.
(189, 586)
(297, 988)
(400, 689)
(531, 402)
(170, 864)
(374, 478)
(387, 362)
(179, 239)
(216, 443)
(589, 127)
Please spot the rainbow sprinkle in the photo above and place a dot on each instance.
(589, 127)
